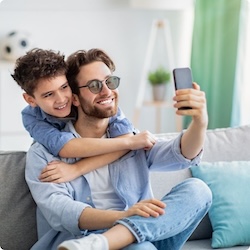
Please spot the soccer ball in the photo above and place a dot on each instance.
(15, 44)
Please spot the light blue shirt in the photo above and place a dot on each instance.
(60, 205)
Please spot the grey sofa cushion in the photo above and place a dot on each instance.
(228, 144)
(17, 208)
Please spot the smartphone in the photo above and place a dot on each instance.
(183, 79)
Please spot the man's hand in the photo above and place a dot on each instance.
(147, 208)
(59, 172)
(196, 100)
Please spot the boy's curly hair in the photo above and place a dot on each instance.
(38, 64)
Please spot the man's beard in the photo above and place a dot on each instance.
(99, 113)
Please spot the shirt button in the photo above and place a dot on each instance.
(88, 198)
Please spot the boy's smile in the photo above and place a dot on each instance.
(53, 96)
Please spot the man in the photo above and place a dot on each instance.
(112, 207)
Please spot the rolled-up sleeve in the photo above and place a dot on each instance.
(166, 156)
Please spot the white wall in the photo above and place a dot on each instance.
(83, 24)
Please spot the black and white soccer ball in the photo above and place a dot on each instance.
(15, 44)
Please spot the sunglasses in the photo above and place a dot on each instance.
(95, 86)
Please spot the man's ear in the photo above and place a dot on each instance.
(29, 99)
(75, 100)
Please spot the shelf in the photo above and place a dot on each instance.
(158, 103)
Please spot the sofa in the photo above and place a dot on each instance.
(223, 147)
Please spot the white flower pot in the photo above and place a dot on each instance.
(159, 92)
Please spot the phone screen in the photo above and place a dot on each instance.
(183, 78)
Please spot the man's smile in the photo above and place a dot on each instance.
(106, 101)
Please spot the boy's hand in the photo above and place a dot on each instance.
(59, 172)
(147, 208)
(144, 140)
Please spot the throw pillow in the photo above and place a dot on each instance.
(230, 210)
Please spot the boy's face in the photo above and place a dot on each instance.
(53, 96)
(100, 105)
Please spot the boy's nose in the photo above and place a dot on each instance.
(60, 97)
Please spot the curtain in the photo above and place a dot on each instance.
(214, 53)
(241, 101)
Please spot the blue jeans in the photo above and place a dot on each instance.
(186, 205)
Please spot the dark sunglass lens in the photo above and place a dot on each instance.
(95, 86)
(113, 82)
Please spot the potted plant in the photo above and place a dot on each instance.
(158, 79)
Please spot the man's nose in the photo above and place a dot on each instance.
(105, 88)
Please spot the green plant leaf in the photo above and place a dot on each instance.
(159, 76)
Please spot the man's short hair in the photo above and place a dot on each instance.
(81, 58)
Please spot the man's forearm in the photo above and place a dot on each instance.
(193, 140)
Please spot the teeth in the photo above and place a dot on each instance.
(62, 107)
(106, 101)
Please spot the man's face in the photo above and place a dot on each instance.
(103, 104)
(53, 96)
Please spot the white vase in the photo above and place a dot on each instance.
(159, 92)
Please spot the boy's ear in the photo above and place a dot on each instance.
(29, 99)
(75, 100)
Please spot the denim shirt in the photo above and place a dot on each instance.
(46, 129)
(60, 205)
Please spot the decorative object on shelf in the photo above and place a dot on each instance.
(15, 44)
(159, 79)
